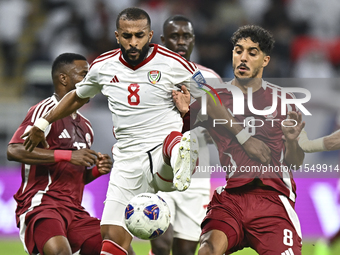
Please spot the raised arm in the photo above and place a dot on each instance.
(325, 143)
(67, 105)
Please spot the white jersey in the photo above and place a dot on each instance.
(139, 97)
(200, 182)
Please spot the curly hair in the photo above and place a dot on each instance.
(257, 34)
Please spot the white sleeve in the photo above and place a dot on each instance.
(202, 81)
(192, 81)
(89, 87)
(198, 85)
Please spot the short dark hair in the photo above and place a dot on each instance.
(133, 13)
(65, 59)
(257, 34)
(176, 18)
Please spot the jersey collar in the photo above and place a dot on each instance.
(152, 46)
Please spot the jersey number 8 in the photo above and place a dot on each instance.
(133, 97)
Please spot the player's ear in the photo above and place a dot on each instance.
(266, 60)
(117, 36)
(150, 35)
(163, 39)
(63, 78)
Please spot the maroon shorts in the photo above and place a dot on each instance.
(260, 218)
(77, 226)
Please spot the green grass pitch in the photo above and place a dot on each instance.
(14, 247)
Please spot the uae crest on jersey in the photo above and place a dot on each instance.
(154, 76)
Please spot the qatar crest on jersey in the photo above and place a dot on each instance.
(154, 76)
(272, 115)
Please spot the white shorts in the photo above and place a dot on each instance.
(131, 175)
(187, 210)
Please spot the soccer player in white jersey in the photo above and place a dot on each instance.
(187, 208)
(138, 80)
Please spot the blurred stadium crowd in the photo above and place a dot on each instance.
(34, 32)
(306, 32)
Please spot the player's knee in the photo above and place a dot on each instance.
(204, 249)
(61, 249)
(57, 245)
(207, 247)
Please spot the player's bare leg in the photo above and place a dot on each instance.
(57, 245)
(214, 242)
(181, 246)
(162, 246)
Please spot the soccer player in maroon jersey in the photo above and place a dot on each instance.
(256, 206)
(49, 212)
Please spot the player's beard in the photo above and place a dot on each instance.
(245, 81)
(142, 54)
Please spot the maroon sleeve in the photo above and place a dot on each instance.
(24, 126)
(186, 122)
(34, 113)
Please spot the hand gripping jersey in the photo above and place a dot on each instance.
(139, 97)
(57, 184)
(240, 168)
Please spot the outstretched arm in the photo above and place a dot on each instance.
(325, 143)
(67, 105)
(332, 141)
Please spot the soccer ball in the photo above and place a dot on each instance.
(147, 216)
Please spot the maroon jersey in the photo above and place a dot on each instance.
(57, 184)
(240, 168)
